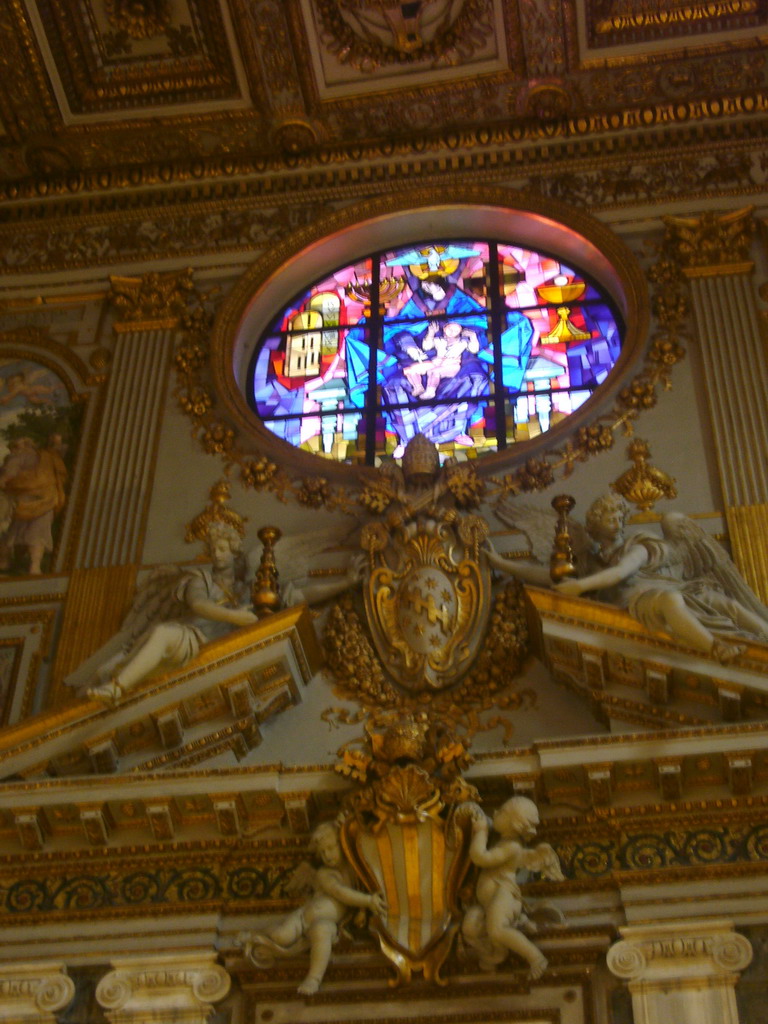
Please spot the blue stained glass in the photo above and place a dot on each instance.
(475, 344)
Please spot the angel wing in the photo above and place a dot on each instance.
(302, 880)
(538, 527)
(703, 558)
(327, 548)
(155, 600)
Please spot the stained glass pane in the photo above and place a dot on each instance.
(475, 344)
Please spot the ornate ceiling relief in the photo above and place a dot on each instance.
(125, 55)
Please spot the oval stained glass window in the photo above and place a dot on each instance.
(478, 345)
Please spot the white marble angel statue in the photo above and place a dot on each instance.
(682, 583)
(314, 925)
(496, 923)
(176, 611)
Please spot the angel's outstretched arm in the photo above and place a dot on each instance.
(627, 566)
(520, 569)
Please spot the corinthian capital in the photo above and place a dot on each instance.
(713, 242)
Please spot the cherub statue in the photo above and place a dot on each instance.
(315, 925)
(176, 611)
(494, 925)
(683, 583)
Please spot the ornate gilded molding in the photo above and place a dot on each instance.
(713, 244)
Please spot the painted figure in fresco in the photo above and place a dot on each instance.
(25, 386)
(683, 583)
(494, 925)
(32, 480)
(177, 612)
(315, 925)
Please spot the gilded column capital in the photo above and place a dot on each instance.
(714, 243)
(153, 301)
(670, 952)
(144, 989)
(34, 993)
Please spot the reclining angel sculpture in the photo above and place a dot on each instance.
(176, 611)
(682, 583)
(315, 925)
(495, 924)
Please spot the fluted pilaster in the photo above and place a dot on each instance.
(713, 251)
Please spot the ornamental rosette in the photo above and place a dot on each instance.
(535, 475)
(218, 439)
(464, 484)
(595, 438)
(314, 492)
(375, 499)
(196, 402)
(640, 394)
(257, 473)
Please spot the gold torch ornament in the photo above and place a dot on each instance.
(265, 592)
(562, 563)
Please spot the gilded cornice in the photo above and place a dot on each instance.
(516, 145)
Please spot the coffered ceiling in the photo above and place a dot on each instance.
(91, 84)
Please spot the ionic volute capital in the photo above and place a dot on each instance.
(142, 989)
(669, 952)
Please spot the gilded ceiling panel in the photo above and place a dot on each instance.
(111, 55)
(358, 47)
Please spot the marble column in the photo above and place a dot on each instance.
(682, 972)
(158, 989)
(34, 993)
(148, 311)
(713, 251)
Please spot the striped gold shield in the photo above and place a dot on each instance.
(419, 872)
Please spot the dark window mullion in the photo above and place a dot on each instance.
(374, 334)
(497, 305)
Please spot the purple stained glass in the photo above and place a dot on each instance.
(475, 344)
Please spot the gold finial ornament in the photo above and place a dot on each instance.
(562, 562)
(643, 484)
(217, 511)
(265, 592)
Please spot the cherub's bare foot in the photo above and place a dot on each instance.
(464, 439)
(110, 693)
(725, 651)
(417, 389)
(399, 452)
(538, 967)
(428, 393)
(309, 986)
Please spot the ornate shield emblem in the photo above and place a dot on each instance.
(427, 600)
(418, 860)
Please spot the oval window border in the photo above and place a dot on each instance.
(399, 219)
